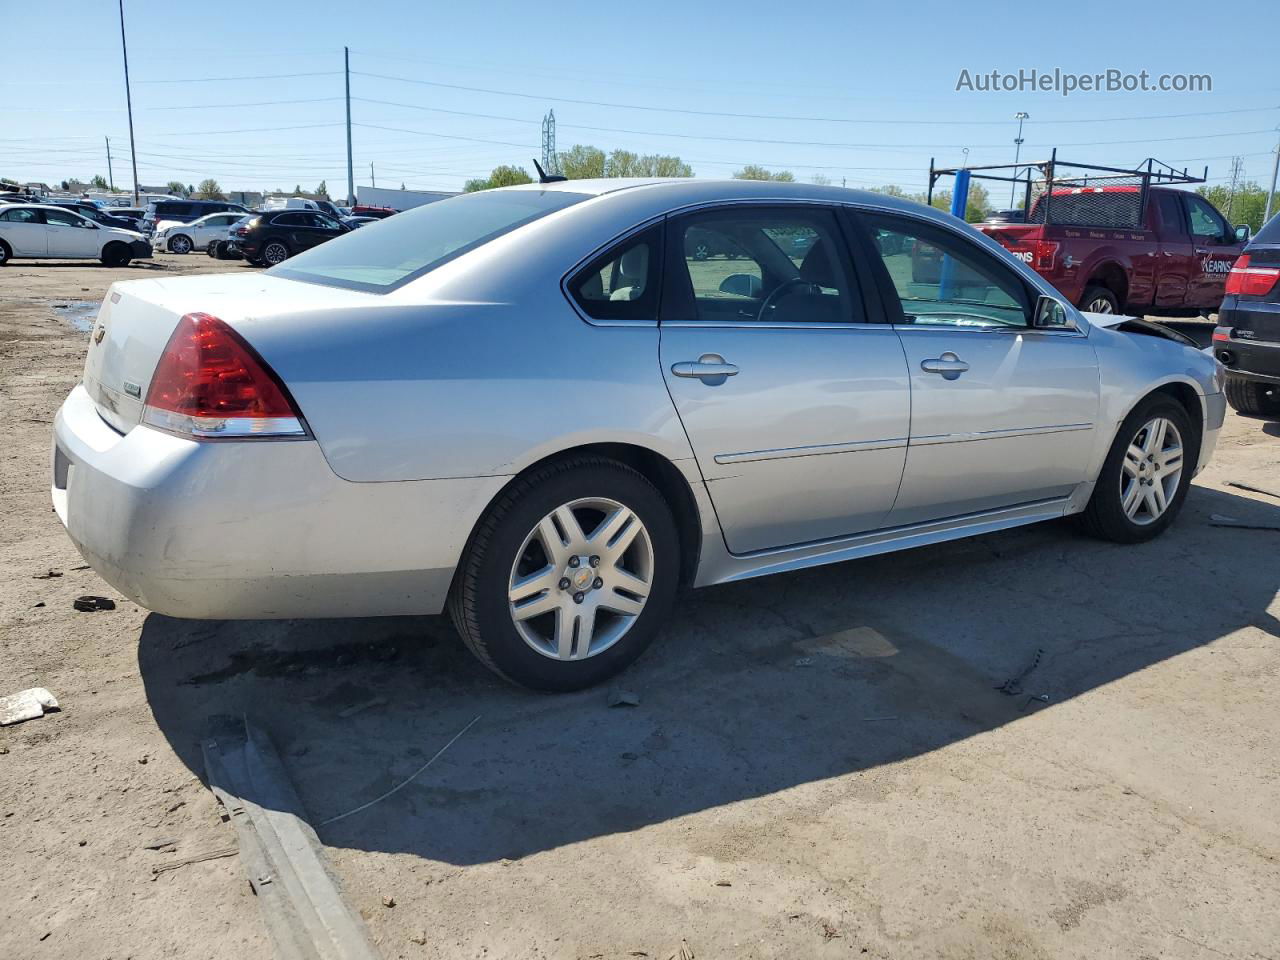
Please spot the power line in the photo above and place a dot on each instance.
(258, 103)
(260, 76)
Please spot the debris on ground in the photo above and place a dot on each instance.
(161, 844)
(1013, 686)
(50, 575)
(419, 938)
(89, 604)
(369, 704)
(1218, 520)
(26, 705)
(1252, 489)
(684, 953)
(804, 662)
(723, 883)
(624, 698)
(829, 932)
(388, 902)
(198, 858)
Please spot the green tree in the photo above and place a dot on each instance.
(755, 172)
(190, 189)
(821, 180)
(176, 187)
(977, 204)
(322, 191)
(582, 162)
(99, 181)
(1247, 206)
(209, 190)
(503, 176)
(892, 190)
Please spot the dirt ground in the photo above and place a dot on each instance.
(820, 764)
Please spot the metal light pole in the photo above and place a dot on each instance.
(128, 98)
(1017, 152)
(351, 177)
(373, 180)
(1271, 196)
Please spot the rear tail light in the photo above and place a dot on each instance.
(1250, 280)
(242, 231)
(211, 383)
(1044, 252)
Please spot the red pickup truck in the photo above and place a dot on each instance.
(1175, 264)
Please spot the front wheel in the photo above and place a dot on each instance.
(5, 253)
(180, 244)
(1143, 482)
(116, 255)
(569, 575)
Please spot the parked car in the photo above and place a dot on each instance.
(95, 213)
(507, 403)
(196, 235)
(222, 248)
(365, 210)
(272, 237)
(1174, 264)
(354, 222)
(184, 211)
(1247, 338)
(46, 230)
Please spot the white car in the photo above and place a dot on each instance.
(43, 230)
(196, 235)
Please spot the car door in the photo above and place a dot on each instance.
(24, 230)
(71, 235)
(1175, 257)
(296, 229)
(1001, 413)
(796, 405)
(1215, 250)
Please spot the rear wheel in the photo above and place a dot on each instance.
(116, 255)
(180, 244)
(1099, 300)
(1252, 396)
(276, 251)
(569, 576)
(1145, 477)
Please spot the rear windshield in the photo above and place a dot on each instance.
(1270, 232)
(404, 247)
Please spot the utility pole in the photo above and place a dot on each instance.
(373, 181)
(128, 98)
(1271, 196)
(111, 177)
(1020, 116)
(1237, 167)
(351, 177)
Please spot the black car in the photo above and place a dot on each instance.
(1247, 339)
(273, 237)
(184, 211)
(95, 213)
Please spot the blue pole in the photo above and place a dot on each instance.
(959, 201)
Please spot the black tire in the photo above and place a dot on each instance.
(1252, 396)
(211, 251)
(5, 253)
(270, 252)
(1104, 517)
(180, 244)
(116, 255)
(1095, 296)
(478, 599)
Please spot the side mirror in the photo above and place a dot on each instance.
(1051, 315)
(1243, 233)
(742, 285)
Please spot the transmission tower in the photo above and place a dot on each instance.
(1237, 171)
(549, 161)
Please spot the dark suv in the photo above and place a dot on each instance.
(184, 211)
(273, 237)
(1247, 339)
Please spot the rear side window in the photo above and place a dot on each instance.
(412, 243)
(20, 216)
(292, 220)
(623, 282)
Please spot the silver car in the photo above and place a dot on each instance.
(535, 407)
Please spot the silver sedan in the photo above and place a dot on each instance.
(547, 408)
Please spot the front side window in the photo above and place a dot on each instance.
(412, 243)
(942, 280)
(325, 222)
(64, 218)
(758, 264)
(1206, 222)
(622, 283)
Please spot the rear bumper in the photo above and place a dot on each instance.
(1215, 413)
(257, 529)
(1244, 356)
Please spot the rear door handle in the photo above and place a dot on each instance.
(948, 365)
(706, 367)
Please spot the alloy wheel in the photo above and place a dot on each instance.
(1099, 305)
(275, 253)
(581, 578)
(180, 244)
(1151, 470)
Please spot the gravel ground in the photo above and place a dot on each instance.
(819, 766)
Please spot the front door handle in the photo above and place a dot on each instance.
(949, 365)
(709, 366)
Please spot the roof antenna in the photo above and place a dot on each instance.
(544, 177)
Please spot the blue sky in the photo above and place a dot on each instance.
(863, 92)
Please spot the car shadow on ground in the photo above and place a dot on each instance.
(755, 687)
